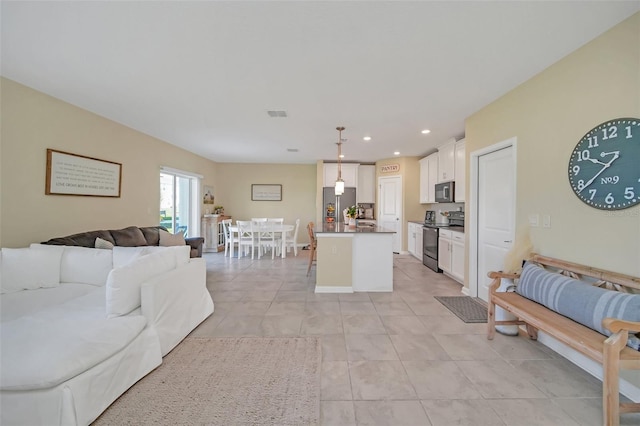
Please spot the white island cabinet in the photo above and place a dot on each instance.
(354, 259)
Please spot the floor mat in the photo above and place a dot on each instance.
(468, 309)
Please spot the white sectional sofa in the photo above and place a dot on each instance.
(79, 326)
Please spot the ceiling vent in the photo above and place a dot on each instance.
(277, 114)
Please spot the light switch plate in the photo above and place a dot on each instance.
(534, 220)
(546, 221)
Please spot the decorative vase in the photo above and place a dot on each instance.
(352, 222)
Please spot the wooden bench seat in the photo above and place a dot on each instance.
(611, 352)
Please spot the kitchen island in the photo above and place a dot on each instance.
(351, 259)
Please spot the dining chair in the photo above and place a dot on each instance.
(246, 237)
(267, 237)
(292, 240)
(226, 223)
(312, 245)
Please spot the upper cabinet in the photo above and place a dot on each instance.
(446, 165)
(349, 174)
(428, 178)
(446, 162)
(459, 173)
(366, 192)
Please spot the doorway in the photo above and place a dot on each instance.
(390, 208)
(492, 219)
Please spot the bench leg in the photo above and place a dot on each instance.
(610, 373)
(491, 319)
(532, 332)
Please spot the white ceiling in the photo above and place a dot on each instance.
(202, 75)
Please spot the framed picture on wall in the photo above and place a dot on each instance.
(261, 192)
(208, 197)
(73, 174)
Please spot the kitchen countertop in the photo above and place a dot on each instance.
(332, 228)
(454, 228)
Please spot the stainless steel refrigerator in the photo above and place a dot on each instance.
(347, 199)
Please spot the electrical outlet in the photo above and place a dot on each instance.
(534, 220)
(546, 221)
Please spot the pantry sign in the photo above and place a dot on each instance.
(390, 168)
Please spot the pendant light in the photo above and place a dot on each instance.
(339, 189)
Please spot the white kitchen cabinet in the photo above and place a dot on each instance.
(411, 238)
(428, 178)
(446, 162)
(444, 253)
(451, 254)
(414, 241)
(419, 242)
(366, 192)
(459, 171)
(457, 256)
(349, 174)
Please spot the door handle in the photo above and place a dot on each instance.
(508, 241)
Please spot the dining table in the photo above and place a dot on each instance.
(281, 229)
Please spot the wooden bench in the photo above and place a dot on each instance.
(611, 351)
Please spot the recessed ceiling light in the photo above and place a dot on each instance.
(396, 153)
(367, 138)
(341, 155)
(425, 131)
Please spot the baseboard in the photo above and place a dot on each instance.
(595, 369)
(332, 289)
(465, 290)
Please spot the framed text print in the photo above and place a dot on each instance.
(72, 174)
(260, 192)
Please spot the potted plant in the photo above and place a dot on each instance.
(351, 214)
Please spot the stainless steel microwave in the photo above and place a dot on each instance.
(444, 192)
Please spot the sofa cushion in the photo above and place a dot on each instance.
(23, 303)
(85, 265)
(30, 268)
(168, 239)
(83, 239)
(151, 234)
(124, 283)
(583, 303)
(124, 255)
(62, 341)
(129, 237)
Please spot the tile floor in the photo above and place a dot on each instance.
(401, 358)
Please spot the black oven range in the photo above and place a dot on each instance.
(431, 233)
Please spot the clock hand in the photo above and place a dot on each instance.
(593, 160)
(616, 155)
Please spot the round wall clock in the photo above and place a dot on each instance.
(604, 168)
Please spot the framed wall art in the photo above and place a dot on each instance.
(260, 192)
(73, 174)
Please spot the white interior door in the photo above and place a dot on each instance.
(390, 210)
(496, 213)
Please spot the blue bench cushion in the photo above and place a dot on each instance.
(583, 303)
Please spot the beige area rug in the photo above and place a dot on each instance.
(227, 381)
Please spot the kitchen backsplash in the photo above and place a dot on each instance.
(445, 207)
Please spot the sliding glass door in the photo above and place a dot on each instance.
(179, 210)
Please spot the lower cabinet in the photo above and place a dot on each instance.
(414, 240)
(451, 253)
